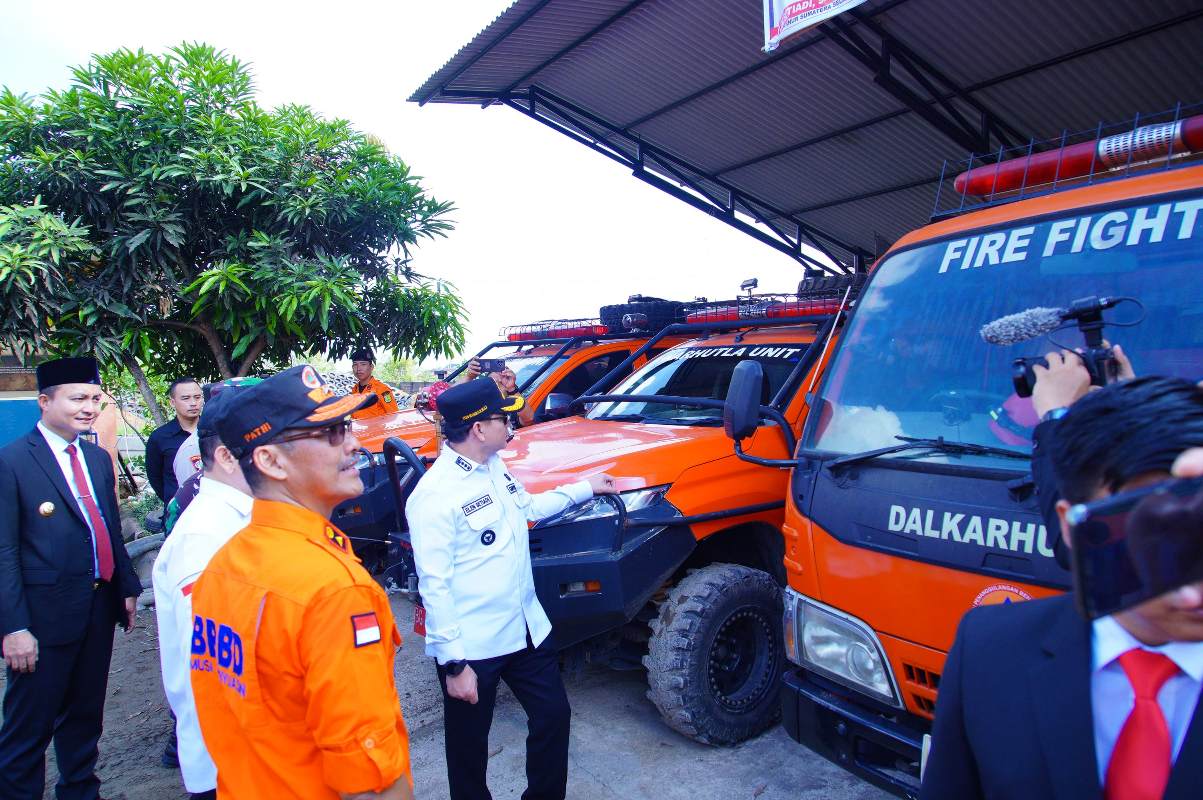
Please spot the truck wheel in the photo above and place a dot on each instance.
(716, 654)
(660, 313)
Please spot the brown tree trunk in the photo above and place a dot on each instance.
(148, 395)
(251, 356)
(206, 330)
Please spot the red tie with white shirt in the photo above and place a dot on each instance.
(100, 532)
(1140, 763)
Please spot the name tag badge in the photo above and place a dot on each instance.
(476, 505)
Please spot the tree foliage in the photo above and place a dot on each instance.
(209, 235)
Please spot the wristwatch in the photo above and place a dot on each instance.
(454, 668)
(1054, 413)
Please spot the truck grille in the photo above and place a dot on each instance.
(922, 686)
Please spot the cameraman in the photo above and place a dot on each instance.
(1035, 701)
(1058, 386)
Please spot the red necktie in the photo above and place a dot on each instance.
(100, 533)
(1140, 763)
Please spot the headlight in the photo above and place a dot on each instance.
(844, 649)
(598, 507)
(790, 623)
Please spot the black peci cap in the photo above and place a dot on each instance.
(294, 398)
(473, 401)
(67, 370)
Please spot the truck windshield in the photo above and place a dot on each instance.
(692, 371)
(912, 362)
(526, 366)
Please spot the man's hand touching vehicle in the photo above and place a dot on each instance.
(602, 484)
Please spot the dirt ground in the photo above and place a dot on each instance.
(619, 749)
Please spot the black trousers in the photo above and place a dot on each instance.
(533, 675)
(63, 700)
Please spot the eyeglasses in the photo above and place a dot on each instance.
(509, 423)
(335, 434)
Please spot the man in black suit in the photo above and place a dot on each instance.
(187, 400)
(1035, 701)
(65, 581)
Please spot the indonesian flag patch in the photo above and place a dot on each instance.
(366, 628)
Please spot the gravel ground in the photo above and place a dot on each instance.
(619, 747)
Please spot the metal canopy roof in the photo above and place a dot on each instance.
(836, 140)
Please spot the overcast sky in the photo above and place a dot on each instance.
(544, 227)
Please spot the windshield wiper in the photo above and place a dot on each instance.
(940, 443)
(701, 421)
(622, 417)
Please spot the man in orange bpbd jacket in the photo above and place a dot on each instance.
(292, 640)
(363, 361)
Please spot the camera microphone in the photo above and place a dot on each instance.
(1020, 327)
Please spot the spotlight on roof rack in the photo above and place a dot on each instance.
(1143, 144)
(749, 285)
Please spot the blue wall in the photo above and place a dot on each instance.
(17, 418)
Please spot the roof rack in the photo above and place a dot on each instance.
(552, 328)
(1146, 143)
(815, 297)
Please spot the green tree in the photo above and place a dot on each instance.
(223, 237)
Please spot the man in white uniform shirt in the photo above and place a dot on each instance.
(468, 521)
(221, 508)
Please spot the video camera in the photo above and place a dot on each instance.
(1097, 356)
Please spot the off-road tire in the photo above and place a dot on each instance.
(660, 313)
(703, 686)
(142, 553)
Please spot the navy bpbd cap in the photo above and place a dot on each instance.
(474, 401)
(294, 398)
(67, 370)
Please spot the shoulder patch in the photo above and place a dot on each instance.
(337, 539)
(483, 501)
(387, 397)
(366, 628)
(463, 464)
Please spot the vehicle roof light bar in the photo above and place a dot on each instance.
(1139, 145)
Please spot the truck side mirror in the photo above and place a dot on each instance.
(555, 406)
(741, 409)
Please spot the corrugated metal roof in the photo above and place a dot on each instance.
(810, 134)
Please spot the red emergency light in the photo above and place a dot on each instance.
(802, 308)
(1146, 143)
(715, 314)
(554, 329)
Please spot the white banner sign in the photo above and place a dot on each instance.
(783, 18)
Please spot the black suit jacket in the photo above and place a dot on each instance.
(46, 566)
(1014, 720)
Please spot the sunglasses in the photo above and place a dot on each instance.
(509, 422)
(335, 434)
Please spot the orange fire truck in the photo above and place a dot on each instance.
(910, 497)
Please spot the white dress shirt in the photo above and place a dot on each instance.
(216, 513)
(58, 446)
(468, 525)
(1111, 695)
(187, 460)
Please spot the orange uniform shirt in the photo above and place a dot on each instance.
(386, 402)
(292, 664)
